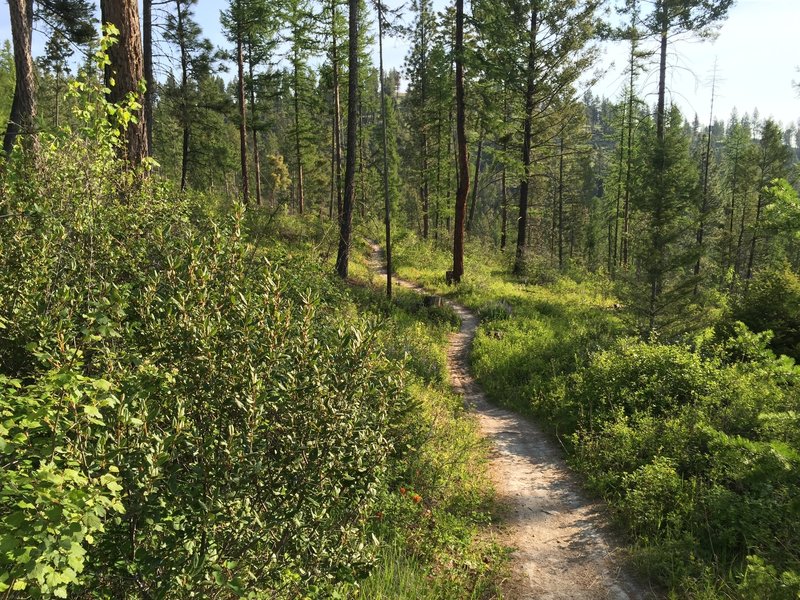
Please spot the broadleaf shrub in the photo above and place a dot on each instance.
(692, 448)
(772, 303)
(177, 417)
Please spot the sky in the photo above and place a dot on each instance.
(757, 57)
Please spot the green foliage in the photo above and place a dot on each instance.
(694, 445)
(55, 497)
(178, 416)
(772, 303)
(691, 448)
(7, 78)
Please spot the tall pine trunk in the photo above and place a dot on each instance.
(127, 70)
(23, 107)
(614, 256)
(704, 207)
(298, 152)
(386, 200)
(149, 77)
(186, 121)
(504, 209)
(423, 108)
(346, 222)
(337, 117)
(475, 182)
(242, 118)
(256, 154)
(655, 274)
(461, 134)
(629, 160)
(530, 89)
(561, 203)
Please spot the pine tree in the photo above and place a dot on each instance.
(670, 190)
(195, 57)
(773, 163)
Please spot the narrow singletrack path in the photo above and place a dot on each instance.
(563, 549)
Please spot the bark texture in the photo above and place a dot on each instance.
(127, 71)
(462, 189)
(346, 222)
(23, 107)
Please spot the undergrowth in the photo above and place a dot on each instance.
(191, 409)
(693, 443)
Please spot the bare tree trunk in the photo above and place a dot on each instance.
(463, 165)
(23, 107)
(731, 258)
(127, 70)
(522, 224)
(629, 161)
(613, 261)
(424, 190)
(337, 113)
(346, 222)
(655, 275)
(626, 210)
(362, 173)
(475, 182)
(438, 190)
(334, 179)
(754, 239)
(256, 155)
(149, 78)
(186, 121)
(424, 106)
(561, 204)
(242, 118)
(662, 75)
(504, 209)
(704, 207)
(298, 154)
(386, 200)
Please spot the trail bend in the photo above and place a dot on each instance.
(562, 546)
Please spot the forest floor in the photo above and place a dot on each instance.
(562, 545)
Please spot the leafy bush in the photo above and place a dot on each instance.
(178, 417)
(692, 449)
(772, 303)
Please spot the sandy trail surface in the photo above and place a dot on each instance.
(563, 548)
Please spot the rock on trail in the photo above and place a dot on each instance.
(563, 549)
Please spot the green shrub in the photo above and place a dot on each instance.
(179, 419)
(682, 443)
(772, 303)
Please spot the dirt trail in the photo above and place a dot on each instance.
(563, 549)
